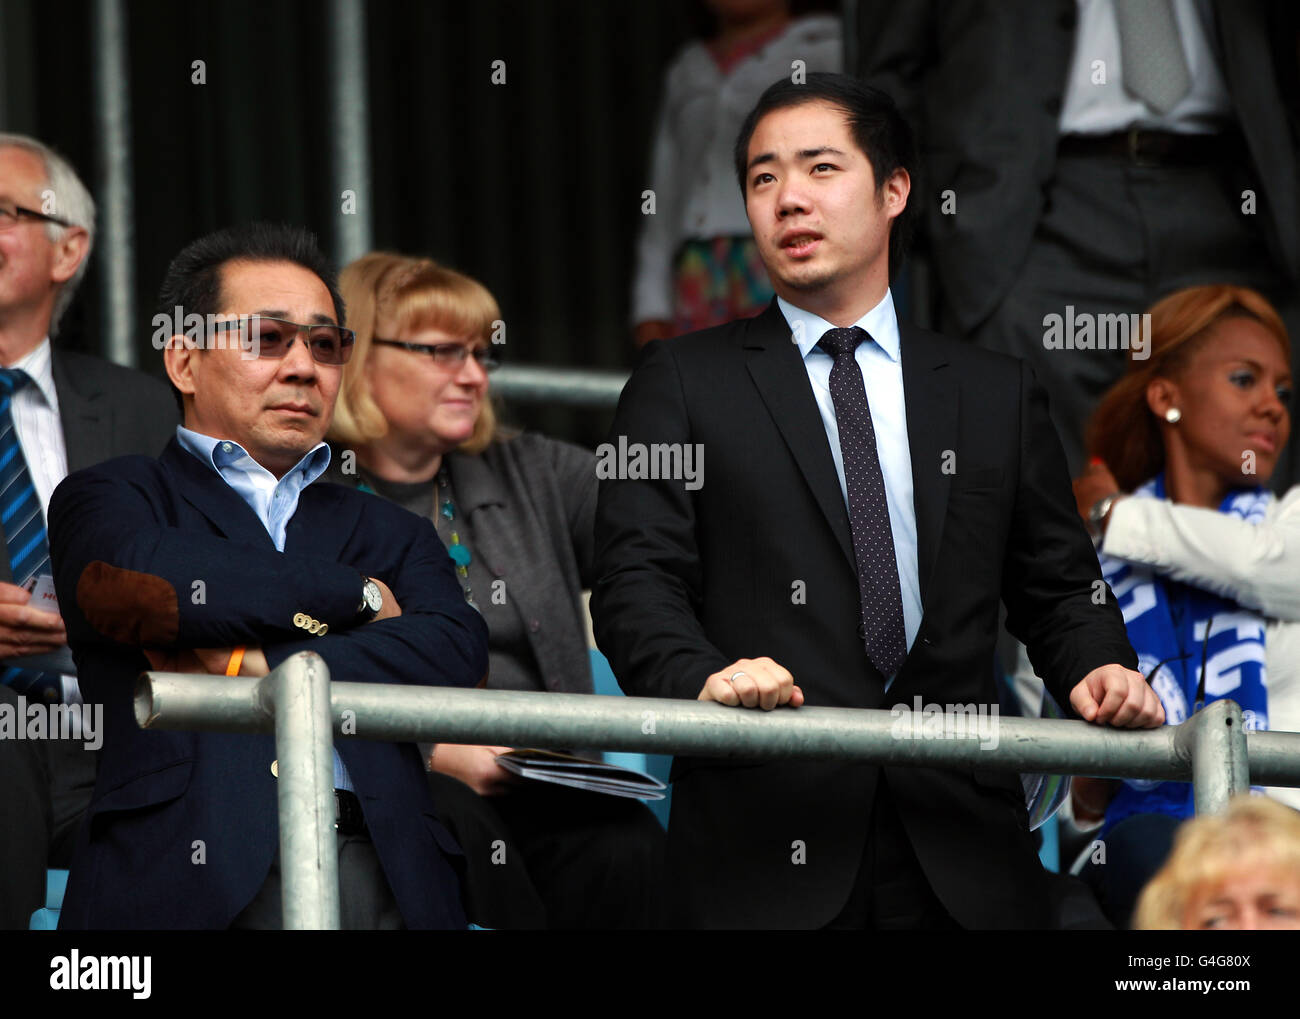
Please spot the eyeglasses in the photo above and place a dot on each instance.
(448, 355)
(272, 338)
(10, 214)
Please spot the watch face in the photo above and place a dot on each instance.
(374, 597)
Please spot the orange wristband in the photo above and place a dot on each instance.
(236, 661)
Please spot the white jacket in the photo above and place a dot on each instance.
(1256, 565)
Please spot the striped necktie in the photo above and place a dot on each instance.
(24, 528)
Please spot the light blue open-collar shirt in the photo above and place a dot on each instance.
(274, 500)
(881, 363)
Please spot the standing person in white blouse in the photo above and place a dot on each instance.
(696, 261)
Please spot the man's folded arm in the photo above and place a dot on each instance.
(438, 640)
(1057, 604)
(649, 578)
(124, 576)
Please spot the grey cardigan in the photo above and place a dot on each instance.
(531, 504)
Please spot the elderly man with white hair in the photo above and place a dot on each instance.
(59, 411)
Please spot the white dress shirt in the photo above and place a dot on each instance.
(882, 374)
(274, 500)
(1090, 109)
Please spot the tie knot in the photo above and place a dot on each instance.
(837, 342)
(12, 380)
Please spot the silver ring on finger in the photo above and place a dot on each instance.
(732, 677)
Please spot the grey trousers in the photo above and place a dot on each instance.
(366, 902)
(1113, 239)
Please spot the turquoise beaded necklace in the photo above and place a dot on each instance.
(459, 553)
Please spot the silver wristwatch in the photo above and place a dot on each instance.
(372, 600)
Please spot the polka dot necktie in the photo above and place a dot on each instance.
(873, 539)
(24, 528)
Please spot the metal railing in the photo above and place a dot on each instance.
(575, 387)
(305, 710)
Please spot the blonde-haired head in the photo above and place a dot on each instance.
(412, 293)
(1254, 834)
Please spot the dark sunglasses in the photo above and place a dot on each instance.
(272, 338)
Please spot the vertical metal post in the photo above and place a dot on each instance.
(349, 120)
(116, 259)
(299, 698)
(1216, 744)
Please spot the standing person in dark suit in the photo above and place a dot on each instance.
(1095, 155)
(847, 547)
(62, 411)
(233, 560)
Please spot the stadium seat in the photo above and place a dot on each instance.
(657, 765)
(47, 919)
(1050, 852)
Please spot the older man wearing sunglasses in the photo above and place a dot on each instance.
(224, 556)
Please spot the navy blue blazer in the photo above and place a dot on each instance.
(162, 553)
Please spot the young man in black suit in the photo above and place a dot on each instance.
(873, 490)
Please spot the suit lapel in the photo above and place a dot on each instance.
(782, 381)
(207, 491)
(930, 395)
(323, 522)
(86, 418)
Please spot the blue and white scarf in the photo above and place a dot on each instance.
(1173, 628)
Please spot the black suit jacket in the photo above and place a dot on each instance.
(130, 539)
(982, 82)
(106, 411)
(691, 581)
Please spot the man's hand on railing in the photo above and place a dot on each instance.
(752, 683)
(475, 766)
(1114, 695)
